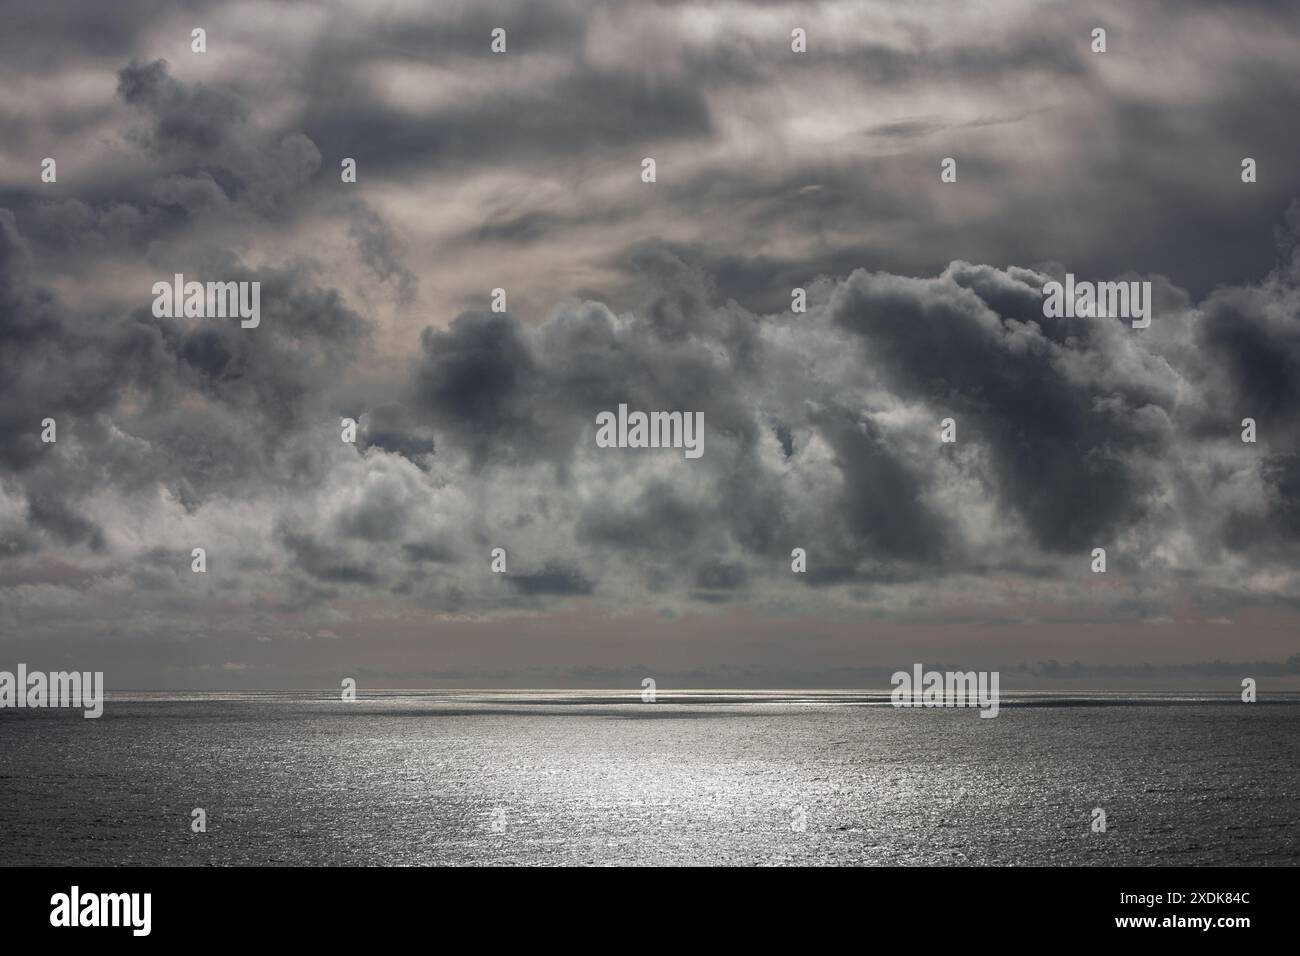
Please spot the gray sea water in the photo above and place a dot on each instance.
(590, 778)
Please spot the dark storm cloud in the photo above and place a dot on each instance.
(197, 174)
(54, 516)
(199, 124)
(477, 379)
(510, 394)
(462, 30)
(1061, 453)
(1071, 417)
(326, 562)
(51, 364)
(423, 552)
(656, 520)
(78, 366)
(395, 427)
(579, 83)
(880, 508)
(591, 110)
(1019, 52)
(776, 171)
(73, 225)
(275, 378)
(553, 579)
(1259, 347)
(79, 369)
(380, 252)
(74, 30)
(585, 108)
(185, 117)
(720, 576)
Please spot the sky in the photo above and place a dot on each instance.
(476, 429)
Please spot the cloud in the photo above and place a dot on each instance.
(777, 171)
(821, 432)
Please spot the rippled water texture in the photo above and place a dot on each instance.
(592, 779)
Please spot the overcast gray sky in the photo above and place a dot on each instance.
(775, 170)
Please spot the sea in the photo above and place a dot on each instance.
(591, 778)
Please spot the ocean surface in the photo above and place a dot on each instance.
(556, 778)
